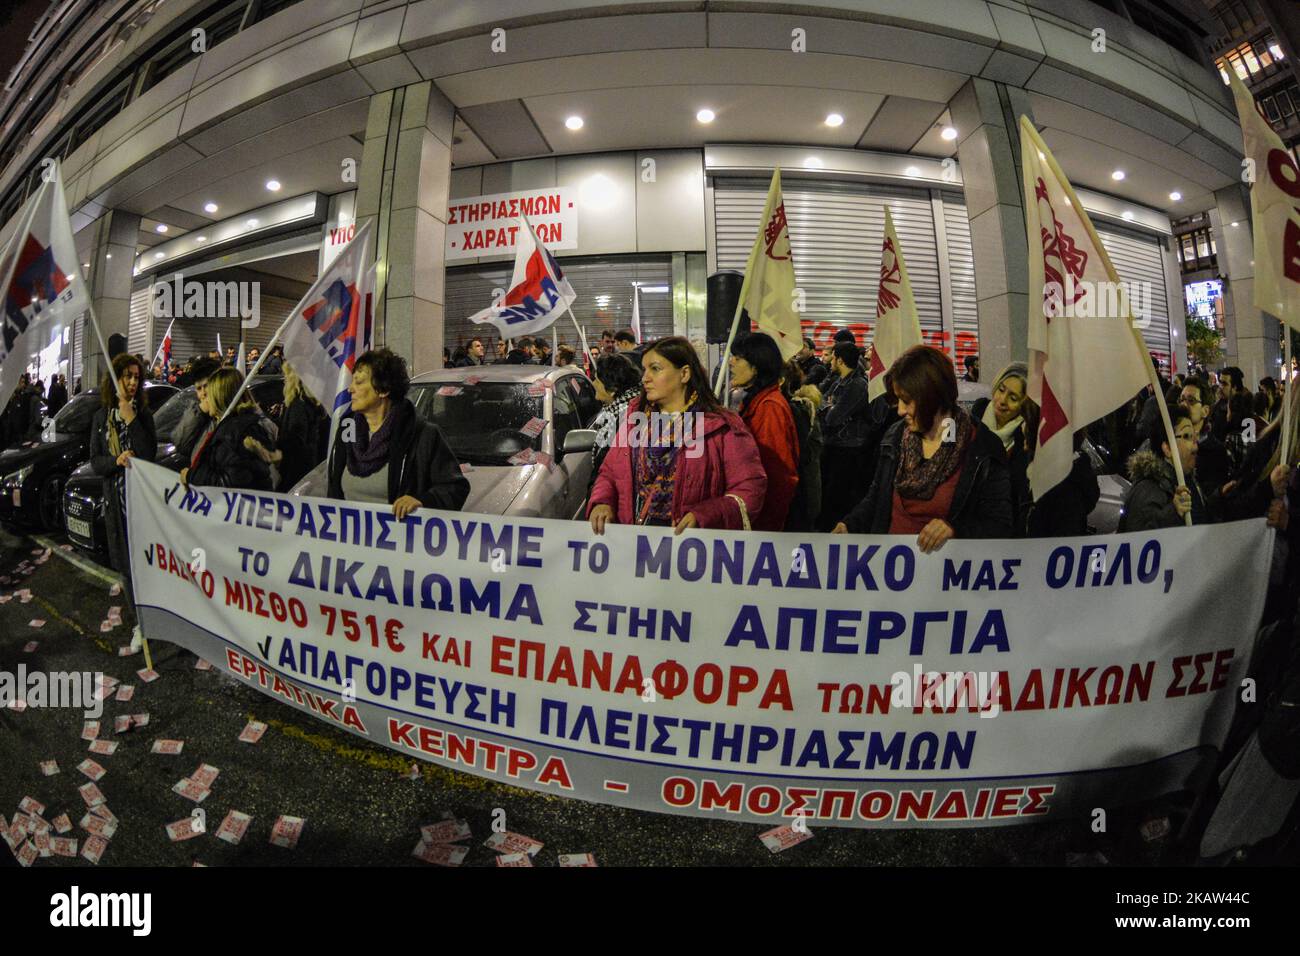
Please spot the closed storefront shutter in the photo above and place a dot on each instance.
(836, 231)
(961, 272)
(137, 331)
(1140, 259)
(80, 329)
(604, 288)
(198, 336)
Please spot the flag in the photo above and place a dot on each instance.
(1085, 357)
(325, 334)
(636, 312)
(165, 349)
(767, 292)
(43, 290)
(1274, 198)
(538, 290)
(897, 326)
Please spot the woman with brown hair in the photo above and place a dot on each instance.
(939, 474)
(222, 458)
(122, 429)
(679, 459)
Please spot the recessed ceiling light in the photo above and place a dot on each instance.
(1234, 225)
(273, 185)
(200, 238)
(108, 255)
(949, 133)
(574, 122)
(1127, 214)
(1175, 196)
(834, 119)
(210, 207)
(812, 162)
(705, 116)
(161, 227)
(912, 171)
(157, 255)
(251, 222)
(1117, 175)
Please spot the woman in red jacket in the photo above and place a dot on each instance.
(679, 459)
(756, 367)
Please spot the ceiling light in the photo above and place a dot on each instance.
(1127, 214)
(157, 255)
(200, 238)
(85, 265)
(161, 227)
(834, 119)
(108, 255)
(251, 222)
(705, 116)
(1234, 225)
(949, 133)
(912, 171)
(654, 288)
(209, 207)
(574, 122)
(1117, 175)
(1175, 196)
(273, 185)
(812, 162)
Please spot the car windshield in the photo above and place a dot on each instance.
(169, 416)
(74, 417)
(483, 423)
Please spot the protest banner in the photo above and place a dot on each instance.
(755, 677)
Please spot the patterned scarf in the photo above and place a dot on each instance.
(918, 477)
(369, 452)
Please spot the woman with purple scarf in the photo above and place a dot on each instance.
(395, 457)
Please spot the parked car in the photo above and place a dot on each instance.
(83, 495)
(32, 475)
(485, 415)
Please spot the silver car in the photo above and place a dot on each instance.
(520, 432)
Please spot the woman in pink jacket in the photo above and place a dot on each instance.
(680, 459)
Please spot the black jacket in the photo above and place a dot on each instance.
(303, 437)
(420, 463)
(1063, 511)
(814, 372)
(1150, 502)
(981, 503)
(57, 398)
(846, 422)
(140, 439)
(1022, 498)
(224, 462)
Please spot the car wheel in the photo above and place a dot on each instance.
(51, 503)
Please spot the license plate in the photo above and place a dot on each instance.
(78, 527)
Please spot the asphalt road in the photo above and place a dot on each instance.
(359, 806)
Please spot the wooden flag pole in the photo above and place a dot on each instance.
(1152, 376)
(1285, 457)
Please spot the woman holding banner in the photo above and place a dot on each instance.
(386, 453)
(221, 458)
(939, 473)
(696, 472)
(122, 429)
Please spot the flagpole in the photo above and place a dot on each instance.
(164, 340)
(1287, 403)
(582, 337)
(1152, 377)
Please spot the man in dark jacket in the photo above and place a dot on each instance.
(475, 355)
(814, 372)
(58, 396)
(849, 435)
(1231, 381)
(1156, 500)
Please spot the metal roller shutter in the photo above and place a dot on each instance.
(137, 329)
(836, 231)
(78, 352)
(604, 288)
(198, 336)
(961, 278)
(1140, 258)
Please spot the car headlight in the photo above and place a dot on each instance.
(17, 478)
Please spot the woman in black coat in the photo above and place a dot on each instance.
(390, 455)
(1013, 417)
(220, 457)
(303, 433)
(121, 429)
(939, 474)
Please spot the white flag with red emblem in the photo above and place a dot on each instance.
(43, 291)
(538, 293)
(768, 290)
(1085, 356)
(898, 327)
(1275, 209)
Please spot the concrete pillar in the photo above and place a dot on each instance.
(113, 245)
(1251, 337)
(403, 186)
(987, 117)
